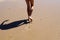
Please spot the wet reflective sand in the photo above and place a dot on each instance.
(45, 25)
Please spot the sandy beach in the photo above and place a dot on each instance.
(45, 25)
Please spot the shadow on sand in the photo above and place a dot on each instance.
(13, 24)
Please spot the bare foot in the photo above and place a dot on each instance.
(29, 19)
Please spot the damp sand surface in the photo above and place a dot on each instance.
(45, 25)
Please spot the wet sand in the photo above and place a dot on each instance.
(45, 25)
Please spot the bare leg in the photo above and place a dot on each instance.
(31, 8)
(30, 4)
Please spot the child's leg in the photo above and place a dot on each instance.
(31, 8)
(28, 7)
(30, 4)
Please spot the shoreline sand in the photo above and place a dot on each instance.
(45, 25)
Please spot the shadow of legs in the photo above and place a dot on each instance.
(13, 24)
